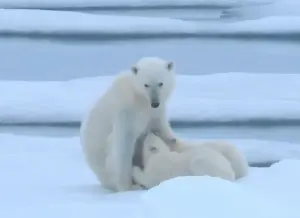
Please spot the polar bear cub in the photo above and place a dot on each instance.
(237, 160)
(162, 164)
(134, 103)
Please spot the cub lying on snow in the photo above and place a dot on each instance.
(216, 159)
(237, 160)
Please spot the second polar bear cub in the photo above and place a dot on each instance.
(237, 160)
(162, 164)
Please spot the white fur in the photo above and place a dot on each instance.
(234, 156)
(161, 163)
(238, 161)
(124, 111)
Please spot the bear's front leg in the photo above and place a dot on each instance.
(123, 146)
(138, 157)
(161, 128)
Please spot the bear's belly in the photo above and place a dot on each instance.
(142, 121)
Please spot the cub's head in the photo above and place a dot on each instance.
(154, 78)
(153, 145)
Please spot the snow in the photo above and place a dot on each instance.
(214, 97)
(282, 8)
(259, 151)
(272, 24)
(114, 3)
(58, 22)
(48, 177)
(213, 197)
(276, 8)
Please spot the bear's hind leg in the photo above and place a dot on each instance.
(213, 164)
(139, 176)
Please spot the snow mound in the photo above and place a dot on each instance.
(214, 198)
(280, 182)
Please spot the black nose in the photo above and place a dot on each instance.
(155, 104)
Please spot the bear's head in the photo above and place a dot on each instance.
(154, 79)
(153, 145)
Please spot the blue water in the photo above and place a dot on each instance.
(26, 59)
(277, 133)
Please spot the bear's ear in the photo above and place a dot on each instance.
(170, 65)
(134, 70)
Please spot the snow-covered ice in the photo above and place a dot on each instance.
(50, 22)
(276, 8)
(215, 97)
(259, 151)
(47, 177)
(280, 8)
(72, 22)
(270, 25)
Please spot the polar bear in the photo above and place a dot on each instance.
(133, 104)
(161, 163)
(237, 160)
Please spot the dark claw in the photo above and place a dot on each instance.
(173, 141)
(155, 133)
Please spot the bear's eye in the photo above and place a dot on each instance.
(160, 84)
(153, 149)
(146, 85)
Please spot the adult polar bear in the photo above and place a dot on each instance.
(135, 103)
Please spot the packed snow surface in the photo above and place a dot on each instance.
(48, 177)
(214, 97)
